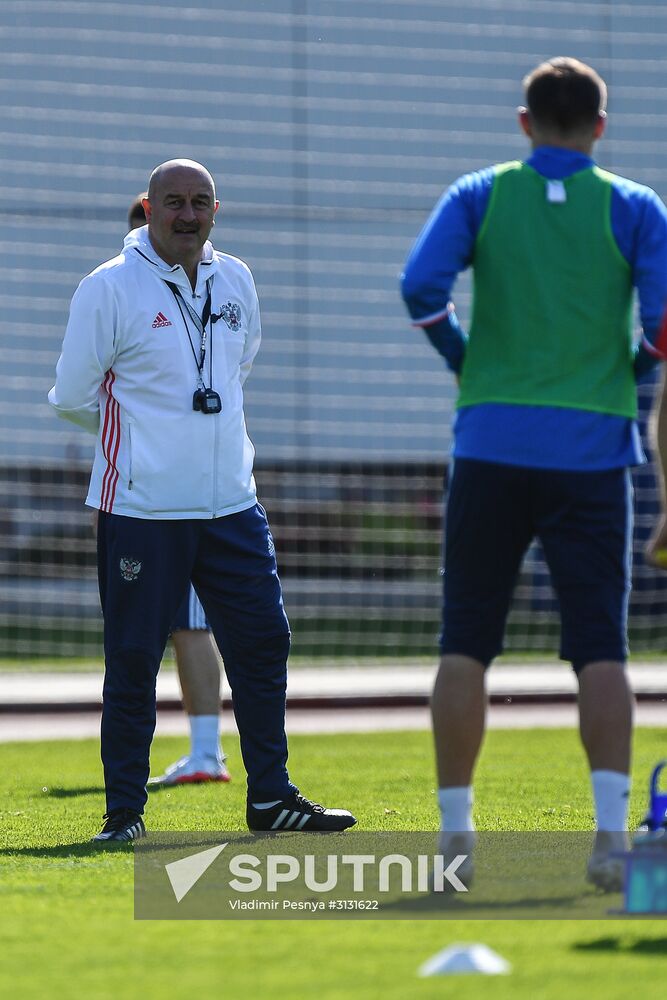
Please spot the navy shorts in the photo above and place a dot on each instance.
(584, 522)
(190, 616)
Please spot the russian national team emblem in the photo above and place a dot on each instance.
(130, 569)
(231, 313)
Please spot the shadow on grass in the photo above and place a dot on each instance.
(160, 789)
(155, 842)
(73, 793)
(80, 849)
(650, 946)
(644, 946)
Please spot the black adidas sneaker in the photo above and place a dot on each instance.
(121, 824)
(298, 814)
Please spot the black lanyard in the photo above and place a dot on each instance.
(203, 324)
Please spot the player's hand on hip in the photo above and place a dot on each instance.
(656, 547)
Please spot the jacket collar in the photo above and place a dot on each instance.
(138, 241)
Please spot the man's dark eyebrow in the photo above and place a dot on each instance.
(175, 194)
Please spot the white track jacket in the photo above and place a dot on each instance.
(127, 373)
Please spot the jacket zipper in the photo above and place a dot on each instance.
(215, 440)
(215, 464)
(130, 484)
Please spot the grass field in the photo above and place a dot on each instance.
(66, 909)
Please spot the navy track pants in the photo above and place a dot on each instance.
(145, 568)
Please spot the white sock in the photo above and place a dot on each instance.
(611, 792)
(265, 805)
(456, 809)
(205, 736)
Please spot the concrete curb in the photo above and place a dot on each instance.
(326, 689)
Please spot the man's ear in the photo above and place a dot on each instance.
(146, 205)
(600, 125)
(525, 123)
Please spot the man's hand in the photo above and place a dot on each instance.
(656, 548)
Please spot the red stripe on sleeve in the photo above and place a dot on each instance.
(110, 443)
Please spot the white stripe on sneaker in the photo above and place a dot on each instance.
(304, 819)
(295, 815)
(278, 822)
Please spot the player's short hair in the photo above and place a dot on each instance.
(135, 214)
(565, 95)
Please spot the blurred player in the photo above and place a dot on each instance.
(545, 428)
(198, 666)
(656, 549)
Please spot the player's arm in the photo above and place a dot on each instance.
(448, 337)
(87, 354)
(253, 337)
(443, 249)
(639, 220)
(656, 549)
(252, 343)
(639, 223)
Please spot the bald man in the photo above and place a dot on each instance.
(197, 663)
(159, 342)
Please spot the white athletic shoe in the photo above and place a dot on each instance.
(452, 844)
(193, 771)
(604, 871)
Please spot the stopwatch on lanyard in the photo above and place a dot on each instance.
(204, 399)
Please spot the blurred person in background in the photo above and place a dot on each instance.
(545, 430)
(656, 549)
(197, 663)
(159, 343)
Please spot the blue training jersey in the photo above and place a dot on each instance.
(537, 436)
